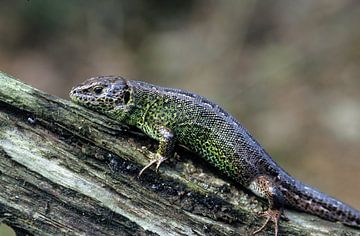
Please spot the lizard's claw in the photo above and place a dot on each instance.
(158, 162)
(274, 216)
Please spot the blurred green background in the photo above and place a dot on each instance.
(288, 70)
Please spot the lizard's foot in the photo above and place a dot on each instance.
(157, 161)
(274, 216)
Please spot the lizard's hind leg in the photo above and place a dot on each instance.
(265, 187)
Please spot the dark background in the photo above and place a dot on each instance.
(288, 70)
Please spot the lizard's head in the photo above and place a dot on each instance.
(109, 95)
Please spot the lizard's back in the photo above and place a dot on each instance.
(207, 129)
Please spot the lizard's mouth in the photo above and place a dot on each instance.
(77, 97)
(100, 103)
(80, 98)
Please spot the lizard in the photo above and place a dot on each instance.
(174, 116)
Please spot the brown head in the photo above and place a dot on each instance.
(109, 95)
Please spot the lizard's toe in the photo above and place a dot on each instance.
(158, 160)
(274, 216)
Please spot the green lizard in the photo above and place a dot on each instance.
(174, 116)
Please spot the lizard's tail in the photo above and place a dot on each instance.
(308, 199)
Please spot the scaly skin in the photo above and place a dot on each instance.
(174, 116)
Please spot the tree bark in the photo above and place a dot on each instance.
(70, 171)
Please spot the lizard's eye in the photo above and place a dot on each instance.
(98, 90)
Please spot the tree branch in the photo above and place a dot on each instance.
(67, 170)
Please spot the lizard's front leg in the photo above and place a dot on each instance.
(166, 147)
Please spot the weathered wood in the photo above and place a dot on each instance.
(66, 170)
